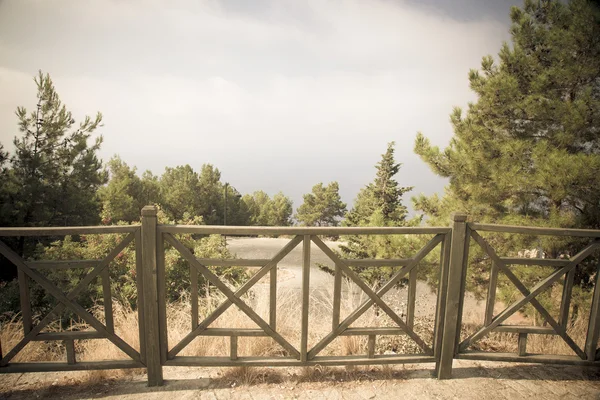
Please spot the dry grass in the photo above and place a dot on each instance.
(288, 325)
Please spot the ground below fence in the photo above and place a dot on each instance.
(471, 380)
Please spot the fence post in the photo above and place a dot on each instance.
(150, 288)
(454, 293)
(591, 342)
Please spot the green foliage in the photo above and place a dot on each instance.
(322, 207)
(264, 211)
(54, 173)
(528, 151)
(54, 170)
(379, 204)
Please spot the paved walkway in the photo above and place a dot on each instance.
(472, 380)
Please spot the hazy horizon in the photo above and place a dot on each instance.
(278, 95)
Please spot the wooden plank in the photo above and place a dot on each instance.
(140, 294)
(463, 282)
(15, 259)
(337, 297)
(522, 347)
(161, 281)
(230, 295)
(397, 262)
(62, 264)
(323, 231)
(451, 328)
(192, 361)
(374, 297)
(529, 358)
(194, 295)
(213, 262)
(70, 346)
(25, 301)
(68, 335)
(232, 332)
(233, 347)
(273, 297)
(565, 303)
(591, 341)
(241, 291)
(60, 366)
(371, 346)
(68, 230)
(305, 297)
(369, 302)
(107, 297)
(543, 262)
(412, 295)
(525, 329)
(372, 331)
(530, 230)
(491, 294)
(149, 266)
(441, 299)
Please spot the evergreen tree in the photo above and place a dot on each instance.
(54, 174)
(528, 151)
(322, 207)
(377, 204)
(264, 211)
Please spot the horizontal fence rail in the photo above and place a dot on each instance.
(151, 242)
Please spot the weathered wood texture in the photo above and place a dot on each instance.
(150, 239)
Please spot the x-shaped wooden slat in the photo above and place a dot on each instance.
(528, 296)
(374, 298)
(232, 298)
(67, 301)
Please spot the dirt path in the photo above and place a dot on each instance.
(472, 380)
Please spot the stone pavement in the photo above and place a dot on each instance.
(472, 380)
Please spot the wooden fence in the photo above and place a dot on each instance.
(149, 240)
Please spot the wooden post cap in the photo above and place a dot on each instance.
(149, 211)
(459, 217)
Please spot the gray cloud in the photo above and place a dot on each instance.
(279, 95)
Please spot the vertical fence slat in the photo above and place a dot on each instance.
(233, 347)
(107, 295)
(140, 294)
(194, 295)
(162, 297)
(371, 346)
(412, 294)
(441, 299)
(522, 344)
(273, 297)
(565, 303)
(149, 260)
(591, 341)
(70, 346)
(463, 283)
(337, 297)
(25, 301)
(451, 329)
(305, 297)
(491, 295)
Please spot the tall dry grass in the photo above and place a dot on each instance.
(288, 325)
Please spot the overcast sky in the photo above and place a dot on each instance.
(279, 95)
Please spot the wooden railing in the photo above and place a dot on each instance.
(150, 239)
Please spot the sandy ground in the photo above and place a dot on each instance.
(472, 380)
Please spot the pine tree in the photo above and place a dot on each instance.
(528, 151)
(54, 173)
(377, 204)
(322, 207)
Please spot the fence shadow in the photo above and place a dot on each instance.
(332, 377)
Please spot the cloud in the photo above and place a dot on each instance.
(278, 94)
